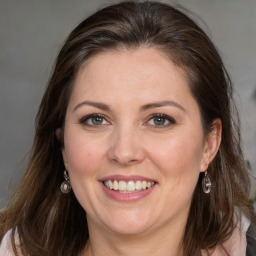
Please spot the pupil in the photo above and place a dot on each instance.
(97, 120)
(159, 121)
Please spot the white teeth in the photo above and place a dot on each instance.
(122, 185)
(144, 184)
(110, 184)
(130, 186)
(115, 185)
(138, 185)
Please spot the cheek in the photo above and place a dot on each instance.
(179, 164)
(84, 157)
(83, 154)
(178, 158)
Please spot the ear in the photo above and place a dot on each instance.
(211, 145)
(58, 135)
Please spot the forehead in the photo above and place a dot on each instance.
(130, 64)
(131, 74)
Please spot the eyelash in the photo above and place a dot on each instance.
(162, 116)
(84, 120)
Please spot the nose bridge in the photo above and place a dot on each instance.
(125, 147)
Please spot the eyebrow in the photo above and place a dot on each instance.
(105, 107)
(99, 105)
(162, 104)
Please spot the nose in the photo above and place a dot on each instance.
(126, 147)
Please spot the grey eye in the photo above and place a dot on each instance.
(94, 120)
(97, 120)
(159, 120)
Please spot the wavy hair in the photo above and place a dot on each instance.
(51, 223)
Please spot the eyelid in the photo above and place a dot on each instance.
(87, 117)
(171, 120)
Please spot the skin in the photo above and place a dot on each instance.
(130, 142)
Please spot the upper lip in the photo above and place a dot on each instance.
(126, 178)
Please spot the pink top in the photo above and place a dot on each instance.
(235, 245)
(6, 245)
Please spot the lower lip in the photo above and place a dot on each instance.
(127, 197)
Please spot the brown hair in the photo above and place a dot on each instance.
(51, 223)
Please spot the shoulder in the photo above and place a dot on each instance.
(237, 244)
(251, 240)
(6, 245)
(251, 246)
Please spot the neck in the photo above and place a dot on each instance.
(162, 242)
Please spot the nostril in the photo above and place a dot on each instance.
(126, 155)
(125, 147)
(124, 160)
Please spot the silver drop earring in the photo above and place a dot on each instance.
(65, 185)
(206, 183)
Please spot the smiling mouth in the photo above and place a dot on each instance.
(129, 186)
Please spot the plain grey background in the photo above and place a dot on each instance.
(32, 32)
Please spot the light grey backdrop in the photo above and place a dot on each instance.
(32, 32)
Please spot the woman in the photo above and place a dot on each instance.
(137, 149)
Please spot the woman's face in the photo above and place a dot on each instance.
(133, 142)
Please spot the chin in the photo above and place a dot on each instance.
(129, 225)
(129, 229)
